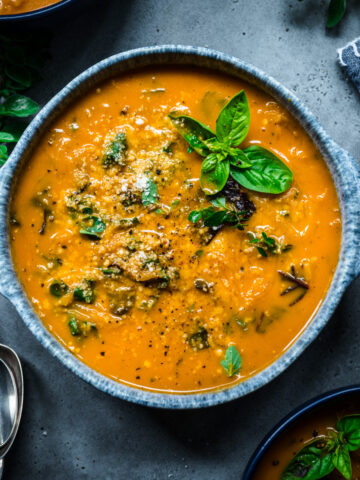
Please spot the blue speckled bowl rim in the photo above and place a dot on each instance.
(342, 166)
(290, 419)
(35, 13)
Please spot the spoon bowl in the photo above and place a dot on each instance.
(12, 397)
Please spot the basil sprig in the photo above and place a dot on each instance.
(255, 168)
(327, 453)
(21, 59)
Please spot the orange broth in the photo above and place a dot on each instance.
(169, 337)
(13, 7)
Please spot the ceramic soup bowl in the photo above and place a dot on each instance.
(343, 168)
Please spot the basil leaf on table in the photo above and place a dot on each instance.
(18, 106)
(233, 122)
(350, 426)
(232, 361)
(212, 181)
(6, 137)
(342, 462)
(335, 12)
(268, 174)
(194, 132)
(311, 463)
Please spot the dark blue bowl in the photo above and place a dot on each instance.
(287, 422)
(36, 13)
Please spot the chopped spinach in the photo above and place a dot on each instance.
(149, 194)
(58, 288)
(202, 285)
(84, 292)
(92, 226)
(199, 339)
(115, 151)
(81, 329)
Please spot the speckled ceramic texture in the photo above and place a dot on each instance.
(321, 401)
(344, 170)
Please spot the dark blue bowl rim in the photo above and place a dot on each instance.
(37, 12)
(291, 418)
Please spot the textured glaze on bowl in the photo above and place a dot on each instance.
(342, 166)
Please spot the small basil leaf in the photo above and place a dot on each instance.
(214, 181)
(149, 194)
(6, 137)
(3, 154)
(350, 426)
(233, 122)
(195, 216)
(209, 163)
(18, 106)
(194, 132)
(311, 463)
(215, 219)
(268, 174)
(342, 462)
(218, 201)
(232, 361)
(335, 12)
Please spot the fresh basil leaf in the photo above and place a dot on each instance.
(335, 12)
(18, 106)
(58, 288)
(149, 194)
(311, 463)
(214, 219)
(6, 137)
(213, 181)
(238, 158)
(3, 154)
(195, 216)
(342, 462)
(20, 74)
(92, 227)
(209, 163)
(268, 174)
(194, 132)
(350, 426)
(233, 122)
(232, 361)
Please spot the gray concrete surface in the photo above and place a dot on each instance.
(69, 429)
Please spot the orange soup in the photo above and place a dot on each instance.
(314, 427)
(110, 241)
(12, 7)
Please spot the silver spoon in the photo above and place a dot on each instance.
(11, 399)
